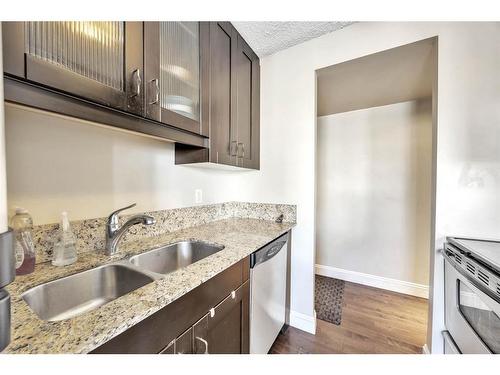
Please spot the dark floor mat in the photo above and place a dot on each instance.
(328, 299)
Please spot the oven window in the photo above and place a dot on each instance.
(481, 318)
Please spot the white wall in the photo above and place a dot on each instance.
(468, 161)
(374, 191)
(55, 164)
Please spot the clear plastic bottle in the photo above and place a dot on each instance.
(22, 225)
(65, 247)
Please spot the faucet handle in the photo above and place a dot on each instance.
(113, 218)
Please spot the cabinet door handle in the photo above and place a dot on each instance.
(136, 83)
(234, 148)
(238, 150)
(156, 86)
(205, 342)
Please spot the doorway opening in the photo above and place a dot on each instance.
(375, 188)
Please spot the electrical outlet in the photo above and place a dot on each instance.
(198, 196)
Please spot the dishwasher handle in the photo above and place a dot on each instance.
(274, 250)
(266, 253)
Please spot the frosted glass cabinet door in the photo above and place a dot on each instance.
(99, 61)
(173, 54)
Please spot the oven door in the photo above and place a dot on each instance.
(472, 317)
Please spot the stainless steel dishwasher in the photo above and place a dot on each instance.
(268, 289)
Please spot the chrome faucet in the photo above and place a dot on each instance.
(114, 232)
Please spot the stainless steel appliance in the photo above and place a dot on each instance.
(268, 291)
(472, 296)
(7, 274)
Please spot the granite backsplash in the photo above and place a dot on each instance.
(90, 232)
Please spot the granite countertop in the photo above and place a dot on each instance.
(82, 334)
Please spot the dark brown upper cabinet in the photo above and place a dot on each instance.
(233, 103)
(247, 76)
(176, 83)
(97, 61)
(94, 71)
(221, 121)
(195, 83)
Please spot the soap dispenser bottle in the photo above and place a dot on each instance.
(22, 225)
(65, 246)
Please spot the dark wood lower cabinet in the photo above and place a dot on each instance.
(213, 318)
(224, 330)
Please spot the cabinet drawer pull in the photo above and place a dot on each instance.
(205, 342)
(157, 91)
(212, 312)
(233, 294)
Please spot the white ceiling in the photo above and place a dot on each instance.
(392, 76)
(266, 38)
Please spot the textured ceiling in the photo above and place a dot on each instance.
(266, 38)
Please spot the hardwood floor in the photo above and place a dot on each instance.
(373, 321)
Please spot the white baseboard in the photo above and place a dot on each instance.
(425, 349)
(394, 285)
(303, 322)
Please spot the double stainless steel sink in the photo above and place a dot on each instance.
(77, 294)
